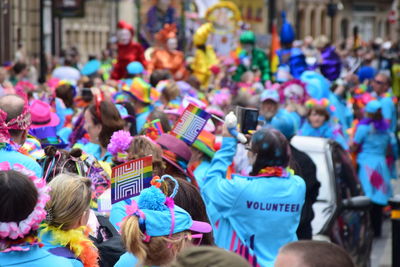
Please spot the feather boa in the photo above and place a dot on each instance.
(77, 241)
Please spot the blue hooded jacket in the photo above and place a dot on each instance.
(257, 215)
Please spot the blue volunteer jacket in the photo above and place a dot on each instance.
(257, 215)
(34, 257)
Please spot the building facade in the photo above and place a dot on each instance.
(19, 29)
(369, 16)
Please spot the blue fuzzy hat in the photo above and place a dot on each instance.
(287, 34)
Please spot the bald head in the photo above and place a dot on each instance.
(303, 254)
(12, 105)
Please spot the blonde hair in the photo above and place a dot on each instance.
(171, 91)
(70, 197)
(161, 250)
(142, 147)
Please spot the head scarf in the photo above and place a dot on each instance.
(22, 122)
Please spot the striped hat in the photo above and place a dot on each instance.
(142, 91)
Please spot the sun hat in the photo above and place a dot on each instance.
(270, 95)
(141, 90)
(41, 115)
(159, 216)
(205, 143)
(175, 151)
(91, 67)
(135, 67)
(373, 106)
(48, 136)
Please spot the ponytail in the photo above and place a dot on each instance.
(161, 250)
(133, 238)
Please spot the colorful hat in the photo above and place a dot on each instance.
(175, 151)
(142, 91)
(124, 25)
(169, 31)
(270, 95)
(317, 85)
(42, 116)
(159, 216)
(120, 97)
(33, 148)
(373, 106)
(48, 136)
(248, 37)
(201, 35)
(205, 143)
(91, 67)
(294, 90)
(135, 67)
(124, 113)
(287, 34)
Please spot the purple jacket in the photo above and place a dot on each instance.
(331, 64)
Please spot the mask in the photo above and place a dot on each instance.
(124, 36)
(172, 43)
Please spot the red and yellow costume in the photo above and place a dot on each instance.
(166, 58)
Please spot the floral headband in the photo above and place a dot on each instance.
(119, 144)
(22, 122)
(315, 102)
(15, 230)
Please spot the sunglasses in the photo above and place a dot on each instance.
(379, 82)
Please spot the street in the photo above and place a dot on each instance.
(381, 255)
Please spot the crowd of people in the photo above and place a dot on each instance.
(59, 141)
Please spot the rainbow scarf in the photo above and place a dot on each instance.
(275, 171)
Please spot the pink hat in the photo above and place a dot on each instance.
(42, 116)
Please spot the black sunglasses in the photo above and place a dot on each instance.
(379, 82)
